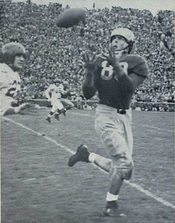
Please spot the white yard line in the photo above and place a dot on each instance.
(153, 127)
(136, 186)
(135, 123)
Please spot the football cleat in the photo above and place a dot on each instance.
(68, 107)
(111, 211)
(57, 117)
(82, 154)
(63, 111)
(48, 119)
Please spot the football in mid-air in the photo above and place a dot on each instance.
(71, 17)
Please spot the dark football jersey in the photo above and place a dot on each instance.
(115, 93)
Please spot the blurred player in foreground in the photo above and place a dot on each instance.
(53, 93)
(115, 76)
(13, 56)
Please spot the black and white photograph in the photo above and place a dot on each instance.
(87, 111)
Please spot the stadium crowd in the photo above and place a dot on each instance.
(57, 52)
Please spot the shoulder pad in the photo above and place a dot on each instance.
(3, 68)
(137, 65)
(135, 59)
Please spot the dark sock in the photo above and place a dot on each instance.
(111, 204)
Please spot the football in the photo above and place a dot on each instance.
(71, 17)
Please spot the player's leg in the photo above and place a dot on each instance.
(51, 113)
(67, 103)
(63, 111)
(60, 109)
(118, 171)
(121, 166)
(82, 154)
(48, 118)
(116, 136)
(121, 169)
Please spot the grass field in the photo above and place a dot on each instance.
(38, 187)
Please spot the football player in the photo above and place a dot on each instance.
(115, 76)
(53, 93)
(65, 95)
(13, 56)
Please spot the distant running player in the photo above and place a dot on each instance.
(115, 76)
(53, 94)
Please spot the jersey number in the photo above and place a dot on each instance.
(107, 71)
(11, 91)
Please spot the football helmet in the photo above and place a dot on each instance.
(57, 81)
(127, 34)
(10, 50)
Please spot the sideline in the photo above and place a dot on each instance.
(136, 186)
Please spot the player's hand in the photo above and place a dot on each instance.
(89, 63)
(112, 57)
(15, 103)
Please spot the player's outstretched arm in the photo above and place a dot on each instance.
(89, 87)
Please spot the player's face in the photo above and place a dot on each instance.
(119, 43)
(57, 84)
(19, 62)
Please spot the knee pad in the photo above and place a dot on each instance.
(124, 171)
